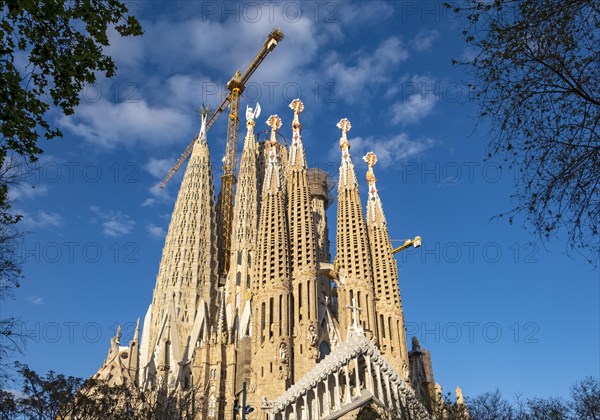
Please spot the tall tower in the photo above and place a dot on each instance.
(245, 219)
(186, 284)
(319, 192)
(353, 258)
(421, 374)
(271, 323)
(302, 252)
(388, 305)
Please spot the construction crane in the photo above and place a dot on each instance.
(272, 39)
(409, 242)
(236, 87)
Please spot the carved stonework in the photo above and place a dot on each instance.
(405, 372)
(283, 353)
(312, 335)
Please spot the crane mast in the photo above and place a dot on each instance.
(225, 201)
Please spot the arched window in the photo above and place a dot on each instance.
(238, 278)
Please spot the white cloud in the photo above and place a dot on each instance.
(125, 51)
(41, 219)
(188, 93)
(421, 99)
(158, 195)
(114, 224)
(36, 300)
(158, 168)
(368, 70)
(424, 39)
(362, 12)
(149, 202)
(117, 225)
(27, 191)
(128, 123)
(156, 231)
(417, 107)
(389, 151)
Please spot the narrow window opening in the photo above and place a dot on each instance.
(271, 318)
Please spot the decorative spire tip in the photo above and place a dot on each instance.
(345, 126)
(371, 160)
(275, 123)
(297, 106)
(252, 113)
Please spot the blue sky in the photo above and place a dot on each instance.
(496, 307)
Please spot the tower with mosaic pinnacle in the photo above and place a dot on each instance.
(302, 252)
(243, 252)
(353, 259)
(271, 323)
(184, 297)
(388, 305)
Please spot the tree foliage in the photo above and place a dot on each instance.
(56, 396)
(447, 409)
(536, 77)
(50, 51)
(12, 338)
(586, 399)
(584, 404)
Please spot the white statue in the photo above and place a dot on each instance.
(252, 114)
(312, 335)
(283, 353)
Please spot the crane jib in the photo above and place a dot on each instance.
(237, 82)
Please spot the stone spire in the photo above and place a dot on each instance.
(186, 284)
(459, 396)
(460, 402)
(353, 259)
(390, 322)
(320, 186)
(303, 252)
(421, 375)
(134, 353)
(238, 296)
(120, 366)
(271, 322)
(245, 219)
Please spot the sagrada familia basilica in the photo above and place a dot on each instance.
(287, 333)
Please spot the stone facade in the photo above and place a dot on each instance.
(309, 337)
